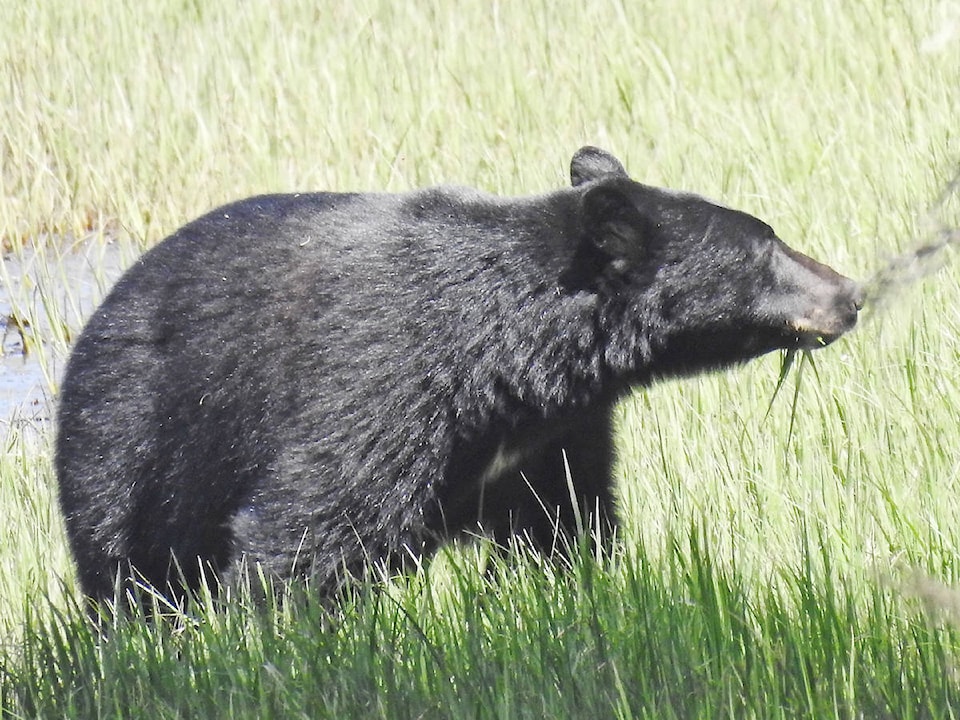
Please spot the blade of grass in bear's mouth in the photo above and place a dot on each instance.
(786, 364)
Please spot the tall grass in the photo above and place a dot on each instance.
(623, 637)
(761, 575)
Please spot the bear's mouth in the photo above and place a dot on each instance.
(813, 332)
(806, 336)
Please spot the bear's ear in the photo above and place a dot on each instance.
(590, 163)
(612, 222)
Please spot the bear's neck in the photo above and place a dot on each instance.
(557, 356)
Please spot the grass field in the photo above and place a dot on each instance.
(804, 563)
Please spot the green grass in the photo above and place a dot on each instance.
(623, 637)
(801, 563)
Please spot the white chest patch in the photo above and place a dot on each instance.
(503, 461)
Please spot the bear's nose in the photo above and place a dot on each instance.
(858, 295)
(853, 304)
(848, 302)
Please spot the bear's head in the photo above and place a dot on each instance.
(711, 285)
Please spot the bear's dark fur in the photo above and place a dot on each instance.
(312, 382)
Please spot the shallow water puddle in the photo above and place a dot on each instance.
(46, 294)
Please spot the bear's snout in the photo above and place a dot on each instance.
(834, 313)
(820, 304)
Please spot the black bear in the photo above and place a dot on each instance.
(313, 382)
